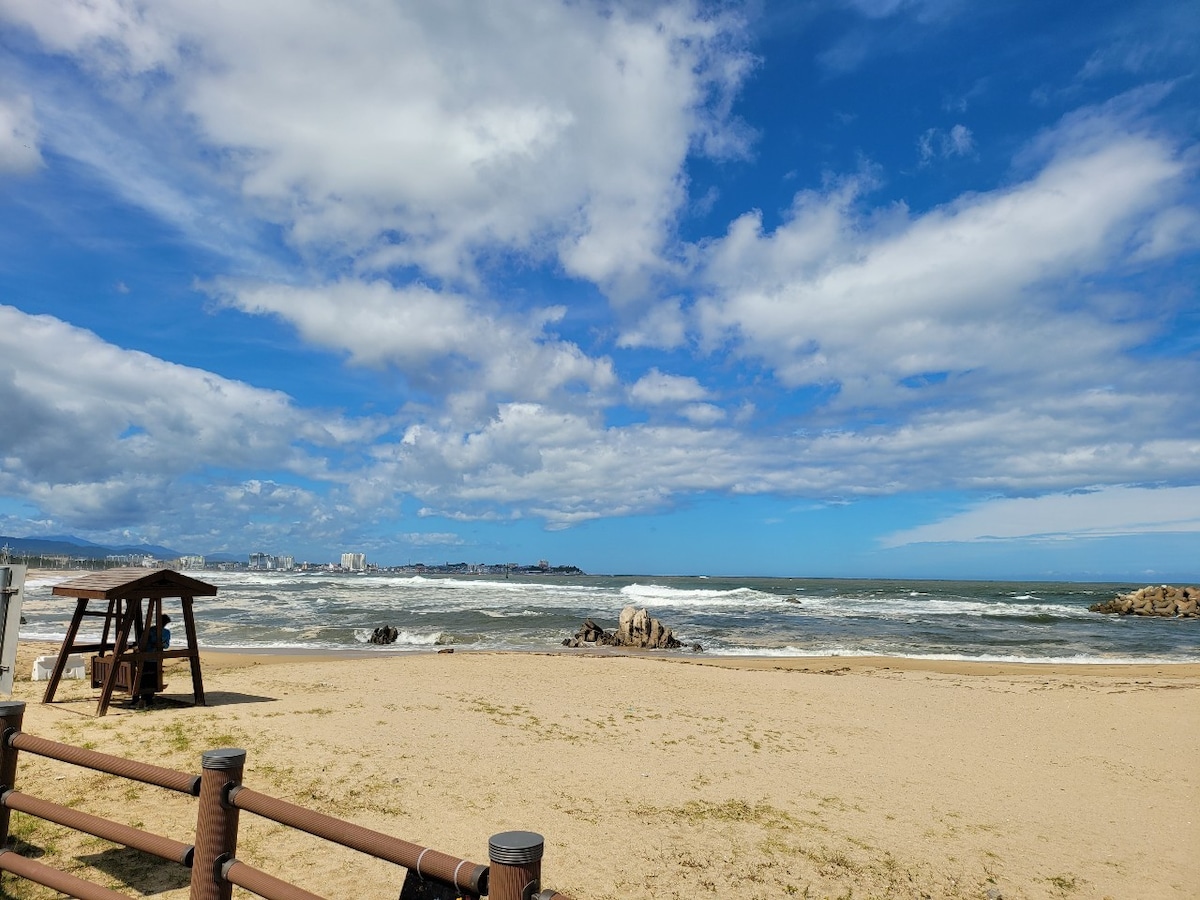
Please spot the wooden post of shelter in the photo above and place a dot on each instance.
(128, 625)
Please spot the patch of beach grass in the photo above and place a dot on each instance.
(1065, 884)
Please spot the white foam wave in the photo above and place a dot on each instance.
(661, 595)
(57, 637)
(905, 607)
(48, 581)
(403, 639)
(1081, 659)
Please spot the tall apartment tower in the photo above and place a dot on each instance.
(355, 562)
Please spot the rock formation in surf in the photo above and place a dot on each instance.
(636, 629)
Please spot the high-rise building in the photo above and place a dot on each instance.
(354, 562)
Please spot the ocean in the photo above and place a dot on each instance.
(796, 617)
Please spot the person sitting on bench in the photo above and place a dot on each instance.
(158, 639)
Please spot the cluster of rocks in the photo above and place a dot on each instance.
(384, 634)
(1154, 601)
(636, 628)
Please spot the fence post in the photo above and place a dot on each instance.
(516, 870)
(11, 715)
(216, 823)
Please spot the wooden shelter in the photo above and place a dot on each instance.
(126, 646)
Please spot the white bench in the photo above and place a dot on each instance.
(43, 667)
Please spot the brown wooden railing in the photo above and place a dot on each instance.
(515, 857)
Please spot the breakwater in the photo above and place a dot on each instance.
(1162, 601)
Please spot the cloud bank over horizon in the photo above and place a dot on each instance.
(403, 277)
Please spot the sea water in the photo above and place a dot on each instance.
(971, 620)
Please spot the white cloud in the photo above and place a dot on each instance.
(1095, 513)
(431, 539)
(702, 413)
(107, 434)
(662, 325)
(445, 343)
(986, 285)
(656, 388)
(1173, 230)
(423, 134)
(938, 144)
(96, 433)
(960, 141)
(19, 134)
(565, 467)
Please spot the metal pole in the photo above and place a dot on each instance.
(216, 823)
(11, 715)
(516, 872)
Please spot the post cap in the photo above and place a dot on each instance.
(228, 758)
(516, 848)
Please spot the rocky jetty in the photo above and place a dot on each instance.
(1154, 601)
(636, 628)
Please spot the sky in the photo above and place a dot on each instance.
(842, 288)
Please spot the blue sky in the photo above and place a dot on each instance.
(862, 288)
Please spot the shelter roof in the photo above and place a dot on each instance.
(133, 582)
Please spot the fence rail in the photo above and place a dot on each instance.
(515, 857)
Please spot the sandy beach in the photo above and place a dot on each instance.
(653, 778)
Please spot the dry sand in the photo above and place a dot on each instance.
(659, 779)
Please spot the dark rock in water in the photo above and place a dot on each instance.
(696, 648)
(795, 600)
(385, 634)
(594, 634)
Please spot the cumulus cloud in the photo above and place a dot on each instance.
(656, 388)
(987, 285)
(98, 433)
(417, 134)
(661, 325)
(445, 343)
(19, 152)
(1102, 512)
(561, 466)
(702, 413)
(107, 433)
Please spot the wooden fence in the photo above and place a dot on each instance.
(515, 857)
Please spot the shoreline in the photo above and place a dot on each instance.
(750, 663)
(235, 656)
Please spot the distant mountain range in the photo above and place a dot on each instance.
(67, 545)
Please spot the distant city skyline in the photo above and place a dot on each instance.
(850, 288)
(43, 552)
